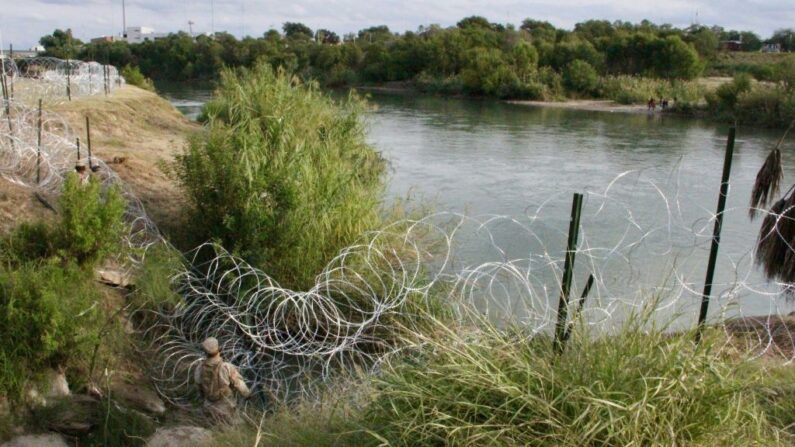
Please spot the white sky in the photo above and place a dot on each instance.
(22, 22)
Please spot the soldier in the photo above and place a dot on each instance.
(82, 172)
(218, 380)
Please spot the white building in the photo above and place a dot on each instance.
(140, 34)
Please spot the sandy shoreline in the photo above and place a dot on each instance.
(590, 105)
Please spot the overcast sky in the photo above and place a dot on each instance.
(22, 22)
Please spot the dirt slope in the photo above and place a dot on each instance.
(132, 124)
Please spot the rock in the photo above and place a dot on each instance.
(139, 397)
(184, 436)
(48, 440)
(5, 407)
(53, 387)
(57, 386)
(75, 416)
(113, 278)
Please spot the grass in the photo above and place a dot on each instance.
(640, 385)
(638, 90)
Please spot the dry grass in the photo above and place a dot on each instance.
(133, 124)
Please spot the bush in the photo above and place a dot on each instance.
(49, 315)
(133, 76)
(580, 77)
(638, 90)
(90, 227)
(282, 175)
(92, 224)
(725, 97)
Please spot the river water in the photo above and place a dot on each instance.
(650, 183)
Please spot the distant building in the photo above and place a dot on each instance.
(771, 48)
(731, 45)
(101, 39)
(141, 34)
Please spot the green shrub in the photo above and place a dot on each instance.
(766, 106)
(638, 90)
(133, 76)
(49, 315)
(91, 225)
(282, 175)
(154, 290)
(581, 77)
(725, 97)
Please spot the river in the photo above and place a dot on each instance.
(650, 183)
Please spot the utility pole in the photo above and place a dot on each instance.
(212, 18)
(190, 27)
(123, 20)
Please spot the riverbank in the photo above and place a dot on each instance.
(591, 105)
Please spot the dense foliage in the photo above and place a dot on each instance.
(50, 310)
(476, 56)
(282, 175)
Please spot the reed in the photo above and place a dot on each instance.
(282, 174)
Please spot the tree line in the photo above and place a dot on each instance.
(534, 60)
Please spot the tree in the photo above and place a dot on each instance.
(524, 57)
(581, 77)
(538, 30)
(675, 59)
(475, 22)
(784, 37)
(61, 44)
(375, 34)
(705, 41)
(751, 41)
(328, 37)
(297, 31)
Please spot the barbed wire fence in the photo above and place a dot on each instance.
(370, 299)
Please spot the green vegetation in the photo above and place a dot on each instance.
(637, 386)
(474, 57)
(282, 175)
(633, 90)
(133, 76)
(748, 102)
(50, 309)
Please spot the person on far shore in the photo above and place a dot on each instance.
(652, 105)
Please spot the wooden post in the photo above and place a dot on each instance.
(7, 102)
(78, 148)
(68, 80)
(11, 58)
(713, 252)
(38, 147)
(88, 141)
(568, 271)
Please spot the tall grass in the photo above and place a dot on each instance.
(281, 175)
(638, 90)
(480, 385)
(639, 387)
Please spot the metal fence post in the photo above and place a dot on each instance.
(713, 252)
(568, 271)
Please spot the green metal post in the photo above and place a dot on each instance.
(713, 252)
(568, 271)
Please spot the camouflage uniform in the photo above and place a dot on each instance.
(217, 381)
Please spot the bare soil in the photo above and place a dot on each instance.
(135, 126)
